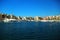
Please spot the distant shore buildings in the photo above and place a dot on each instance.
(37, 18)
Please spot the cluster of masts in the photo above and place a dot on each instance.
(5, 17)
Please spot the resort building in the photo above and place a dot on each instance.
(50, 17)
(57, 17)
(45, 18)
(13, 17)
(37, 18)
(30, 18)
(24, 18)
(19, 18)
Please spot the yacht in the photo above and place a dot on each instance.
(9, 20)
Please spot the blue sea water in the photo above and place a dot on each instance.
(25, 30)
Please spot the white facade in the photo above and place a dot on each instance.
(36, 18)
(24, 18)
(11, 16)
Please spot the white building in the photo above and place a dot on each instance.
(36, 18)
(24, 18)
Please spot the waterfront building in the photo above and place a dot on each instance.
(8, 16)
(37, 18)
(45, 18)
(50, 17)
(19, 18)
(57, 17)
(30, 18)
(53, 17)
(13, 17)
(24, 18)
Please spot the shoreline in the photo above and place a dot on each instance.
(29, 20)
(12, 18)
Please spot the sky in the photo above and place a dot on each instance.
(30, 7)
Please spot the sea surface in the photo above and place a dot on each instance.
(25, 30)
